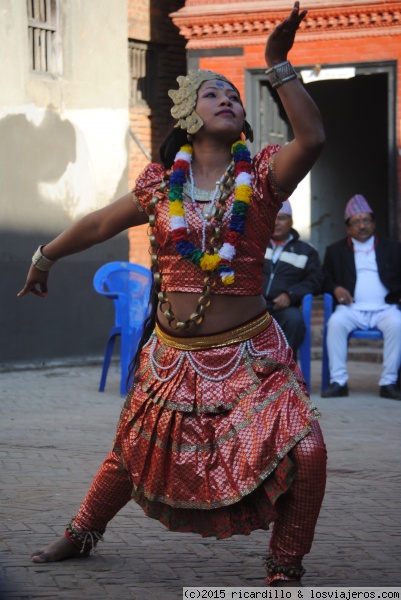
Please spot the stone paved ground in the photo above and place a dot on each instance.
(55, 430)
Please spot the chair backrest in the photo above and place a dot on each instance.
(128, 285)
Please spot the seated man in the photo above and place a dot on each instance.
(363, 273)
(290, 271)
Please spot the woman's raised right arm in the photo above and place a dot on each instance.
(92, 229)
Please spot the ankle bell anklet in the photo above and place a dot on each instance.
(273, 568)
(84, 540)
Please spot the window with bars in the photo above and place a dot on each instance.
(42, 34)
(141, 57)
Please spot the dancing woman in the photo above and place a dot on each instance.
(217, 435)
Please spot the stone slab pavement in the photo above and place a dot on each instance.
(56, 428)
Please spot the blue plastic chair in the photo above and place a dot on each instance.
(128, 285)
(366, 334)
(304, 351)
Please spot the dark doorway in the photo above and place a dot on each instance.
(360, 152)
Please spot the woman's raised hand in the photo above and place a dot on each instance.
(281, 40)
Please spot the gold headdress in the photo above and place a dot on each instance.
(185, 98)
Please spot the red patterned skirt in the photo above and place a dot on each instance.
(205, 431)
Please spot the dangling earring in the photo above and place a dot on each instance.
(189, 138)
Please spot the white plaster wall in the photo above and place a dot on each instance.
(13, 56)
(92, 179)
(63, 153)
(90, 94)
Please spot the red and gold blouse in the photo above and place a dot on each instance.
(179, 274)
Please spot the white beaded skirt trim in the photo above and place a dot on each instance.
(215, 379)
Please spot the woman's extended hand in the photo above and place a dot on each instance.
(36, 279)
(281, 40)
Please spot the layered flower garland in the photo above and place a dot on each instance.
(236, 227)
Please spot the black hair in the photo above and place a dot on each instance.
(148, 327)
(171, 145)
(168, 150)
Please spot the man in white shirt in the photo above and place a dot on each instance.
(363, 273)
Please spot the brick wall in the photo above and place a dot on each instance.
(149, 21)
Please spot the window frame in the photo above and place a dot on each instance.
(43, 19)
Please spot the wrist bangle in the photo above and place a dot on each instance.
(40, 261)
(280, 74)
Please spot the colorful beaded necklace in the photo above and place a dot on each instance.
(222, 258)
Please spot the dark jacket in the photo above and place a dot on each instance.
(339, 267)
(297, 272)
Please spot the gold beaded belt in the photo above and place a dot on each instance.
(226, 338)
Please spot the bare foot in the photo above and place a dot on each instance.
(61, 549)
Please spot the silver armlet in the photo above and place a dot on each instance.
(280, 74)
(40, 261)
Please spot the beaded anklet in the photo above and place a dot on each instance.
(288, 572)
(85, 540)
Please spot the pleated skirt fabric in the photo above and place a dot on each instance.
(205, 435)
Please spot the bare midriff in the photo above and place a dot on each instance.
(225, 312)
